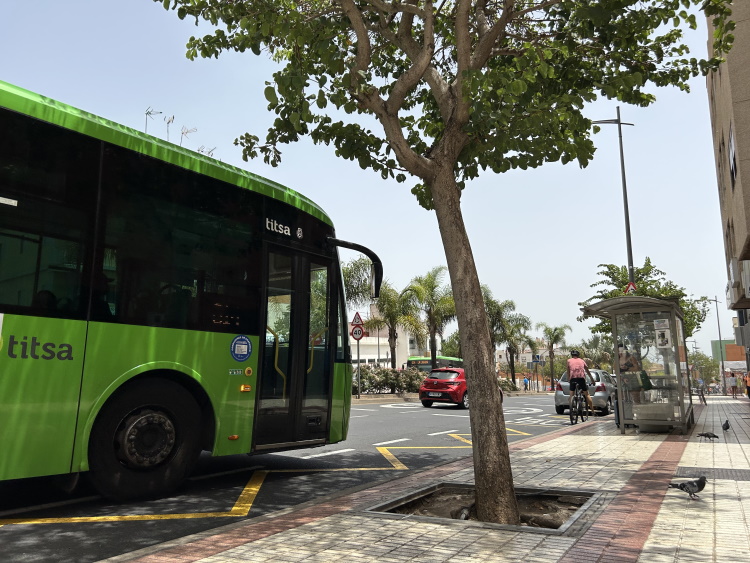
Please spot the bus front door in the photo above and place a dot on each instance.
(294, 386)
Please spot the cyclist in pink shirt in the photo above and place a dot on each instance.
(577, 371)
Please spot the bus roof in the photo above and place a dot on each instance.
(57, 113)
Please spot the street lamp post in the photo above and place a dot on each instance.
(619, 123)
(721, 347)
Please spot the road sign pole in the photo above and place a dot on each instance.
(359, 367)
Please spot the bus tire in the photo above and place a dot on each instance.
(145, 440)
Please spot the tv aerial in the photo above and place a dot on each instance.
(168, 120)
(186, 132)
(150, 113)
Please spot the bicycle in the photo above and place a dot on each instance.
(578, 407)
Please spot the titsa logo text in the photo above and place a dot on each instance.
(36, 350)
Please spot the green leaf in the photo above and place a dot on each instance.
(518, 87)
(270, 94)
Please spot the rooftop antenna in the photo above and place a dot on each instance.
(168, 121)
(186, 132)
(150, 113)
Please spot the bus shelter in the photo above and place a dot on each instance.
(653, 393)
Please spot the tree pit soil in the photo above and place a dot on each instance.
(539, 510)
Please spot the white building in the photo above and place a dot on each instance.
(374, 348)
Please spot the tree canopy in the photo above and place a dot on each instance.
(649, 282)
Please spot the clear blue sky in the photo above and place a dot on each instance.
(537, 235)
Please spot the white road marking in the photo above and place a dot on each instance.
(368, 410)
(444, 432)
(392, 441)
(360, 416)
(401, 406)
(458, 415)
(327, 453)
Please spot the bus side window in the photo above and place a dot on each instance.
(48, 193)
(187, 248)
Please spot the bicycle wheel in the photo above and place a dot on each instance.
(574, 410)
(583, 409)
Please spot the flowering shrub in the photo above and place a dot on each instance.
(387, 380)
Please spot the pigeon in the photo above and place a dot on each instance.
(725, 426)
(690, 487)
(710, 435)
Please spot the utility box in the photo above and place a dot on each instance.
(653, 393)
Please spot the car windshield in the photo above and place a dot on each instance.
(443, 375)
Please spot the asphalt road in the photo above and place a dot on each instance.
(38, 522)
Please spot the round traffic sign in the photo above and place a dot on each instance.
(358, 332)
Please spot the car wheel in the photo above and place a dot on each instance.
(559, 409)
(607, 407)
(145, 441)
(427, 404)
(464, 404)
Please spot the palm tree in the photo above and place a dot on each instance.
(516, 339)
(553, 336)
(394, 312)
(508, 328)
(598, 349)
(436, 301)
(356, 274)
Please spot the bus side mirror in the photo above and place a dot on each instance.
(376, 269)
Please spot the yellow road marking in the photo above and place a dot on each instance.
(459, 437)
(246, 498)
(391, 458)
(518, 431)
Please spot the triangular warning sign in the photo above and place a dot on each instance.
(630, 288)
(357, 319)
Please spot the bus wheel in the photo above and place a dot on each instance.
(145, 440)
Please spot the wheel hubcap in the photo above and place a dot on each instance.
(147, 439)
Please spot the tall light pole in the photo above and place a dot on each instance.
(619, 123)
(721, 346)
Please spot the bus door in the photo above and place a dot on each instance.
(294, 384)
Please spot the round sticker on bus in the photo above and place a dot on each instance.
(241, 348)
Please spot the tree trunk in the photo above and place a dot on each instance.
(493, 479)
(512, 362)
(551, 367)
(392, 345)
(433, 347)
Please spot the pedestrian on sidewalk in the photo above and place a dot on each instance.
(732, 383)
(525, 383)
(747, 384)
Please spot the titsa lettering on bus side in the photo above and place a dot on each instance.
(37, 350)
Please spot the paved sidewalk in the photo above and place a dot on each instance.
(634, 517)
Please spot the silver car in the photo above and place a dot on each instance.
(602, 389)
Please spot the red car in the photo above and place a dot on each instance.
(445, 385)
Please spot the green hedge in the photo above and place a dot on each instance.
(387, 380)
(507, 384)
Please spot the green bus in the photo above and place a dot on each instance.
(424, 363)
(156, 303)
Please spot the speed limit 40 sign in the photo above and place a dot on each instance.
(358, 332)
